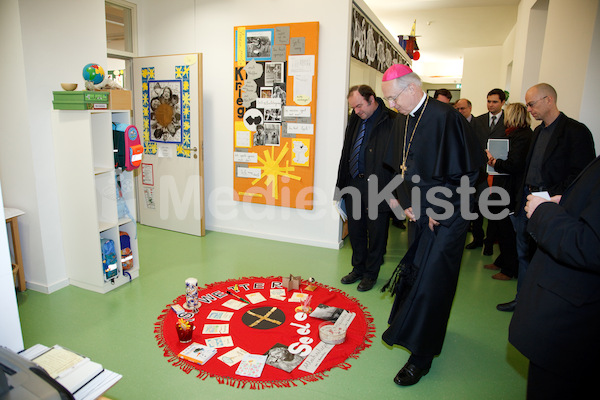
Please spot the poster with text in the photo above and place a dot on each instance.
(274, 113)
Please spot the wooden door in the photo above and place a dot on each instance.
(168, 114)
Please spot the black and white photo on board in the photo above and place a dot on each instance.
(258, 44)
(279, 91)
(272, 133)
(273, 73)
(259, 136)
(273, 114)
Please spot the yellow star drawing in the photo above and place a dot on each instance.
(271, 170)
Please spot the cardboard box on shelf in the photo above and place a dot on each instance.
(119, 99)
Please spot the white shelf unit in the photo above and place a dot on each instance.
(87, 195)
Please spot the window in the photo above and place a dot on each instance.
(121, 28)
(121, 39)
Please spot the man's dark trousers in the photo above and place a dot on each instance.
(367, 237)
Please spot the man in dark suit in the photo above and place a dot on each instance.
(561, 147)
(366, 141)
(556, 324)
(487, 126)
(443, 95)
(464, 107)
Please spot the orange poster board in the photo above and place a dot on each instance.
(274, 113)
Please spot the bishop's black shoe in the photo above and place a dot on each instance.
(398, 224)
(409, 375)
(473, 245)
(510, 306)
(351, 278)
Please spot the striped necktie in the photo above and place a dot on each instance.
(354, 154)
(493, 124)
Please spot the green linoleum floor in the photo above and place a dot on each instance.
(117, 328)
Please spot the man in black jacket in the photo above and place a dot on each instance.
(556, 324)
(561, 147)
(365, 143)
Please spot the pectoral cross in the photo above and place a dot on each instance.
(403, 168)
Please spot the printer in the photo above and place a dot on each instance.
(24, 380)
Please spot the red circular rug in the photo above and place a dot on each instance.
(256, 328)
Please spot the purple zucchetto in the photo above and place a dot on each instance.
(396, 71)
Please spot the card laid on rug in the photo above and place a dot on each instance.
(255, 298)
(222, 341)
(234, 304)
(298, 297)
(220, 315)
(251, 365)
(215, 329)
(233, 357)
(278, 294)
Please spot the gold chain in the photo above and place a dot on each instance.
(406, 149)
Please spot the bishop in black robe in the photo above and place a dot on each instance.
(434, 148)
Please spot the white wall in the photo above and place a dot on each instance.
(506, 65)
(566, 52)
(207, 27)
(13, 137)
(482, 71)
(558, 42)
(50, 42)
(10, 329)
(589, 104)
(362, 74)
(16, 161)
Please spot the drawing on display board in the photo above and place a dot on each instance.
(275, 86)
(165, 111)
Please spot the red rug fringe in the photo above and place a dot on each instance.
(237, 383)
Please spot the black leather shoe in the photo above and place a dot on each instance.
(473, 245)
(488, 250)
(351, 278)
(409, 375)
(510, 306)
(398, 224)
(366, 284)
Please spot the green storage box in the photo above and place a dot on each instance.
(80, 100)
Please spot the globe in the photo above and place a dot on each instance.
(93, 73)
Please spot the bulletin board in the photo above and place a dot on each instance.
(274, 113)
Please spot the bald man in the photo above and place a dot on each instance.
(561, 147)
